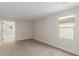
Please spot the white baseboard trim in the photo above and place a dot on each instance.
(22, 39)
(74, 53)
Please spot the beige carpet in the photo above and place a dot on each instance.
(30, 48)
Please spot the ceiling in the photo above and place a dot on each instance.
(33, 10)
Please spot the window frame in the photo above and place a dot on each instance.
(58, 28)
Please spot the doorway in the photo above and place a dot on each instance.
(8, 31)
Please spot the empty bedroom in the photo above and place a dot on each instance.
(39, 28)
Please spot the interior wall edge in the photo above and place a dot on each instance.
(58, 47)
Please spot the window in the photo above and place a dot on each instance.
(66, 27)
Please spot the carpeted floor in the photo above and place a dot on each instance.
(30, 48)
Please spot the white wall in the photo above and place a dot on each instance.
(23, 29)
(45, 30)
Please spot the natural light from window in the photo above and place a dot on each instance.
(66, 26)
